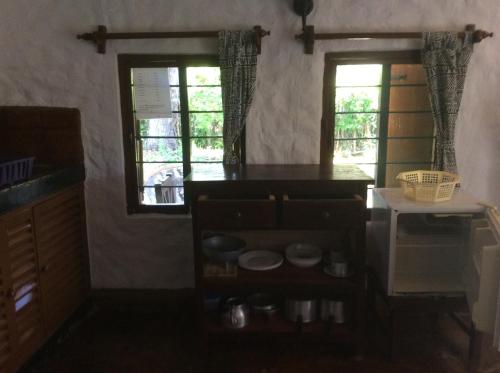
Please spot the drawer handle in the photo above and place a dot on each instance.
(238, 215)
(326, 215)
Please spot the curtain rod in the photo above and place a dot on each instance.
(100, 36)
(309, 36)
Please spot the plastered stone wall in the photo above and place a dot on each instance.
(42, 63)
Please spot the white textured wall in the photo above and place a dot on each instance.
(42, 63)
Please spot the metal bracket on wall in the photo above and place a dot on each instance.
(303, 8)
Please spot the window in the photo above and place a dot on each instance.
(160, 152)
(376, 114)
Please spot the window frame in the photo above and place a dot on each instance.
(332, 60)
(126, 62)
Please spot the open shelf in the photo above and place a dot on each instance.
(428, 283)
(325, 214)
(284, 277)
(260, 326)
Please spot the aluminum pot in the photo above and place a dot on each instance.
(301, 309)
(235, 313)
(336, 309)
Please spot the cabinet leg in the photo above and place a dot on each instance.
(393, 335)
(361, 320)
(329, 326)
(474, 342)
(370, 303)
(298, 325)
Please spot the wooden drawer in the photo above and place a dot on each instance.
(236, 213)
(323, 213)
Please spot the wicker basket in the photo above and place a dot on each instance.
(428, 186)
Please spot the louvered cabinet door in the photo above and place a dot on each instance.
(6, 308)
(6, 343)
(61, 244)
(22, 282)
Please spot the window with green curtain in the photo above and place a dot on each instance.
(377, 114)
(160, 152)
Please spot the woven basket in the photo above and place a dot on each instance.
(428, 186)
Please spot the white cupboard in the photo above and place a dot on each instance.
(440, 249)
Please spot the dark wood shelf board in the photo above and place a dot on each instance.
(285, 277)
(277, 326)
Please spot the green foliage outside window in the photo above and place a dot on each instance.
(206, 98)
(144, 127)
(207, 124)
(357, 122)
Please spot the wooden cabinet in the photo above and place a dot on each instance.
(267, 204)
(6, 313)
(61, 246)
(23, 294)
(42, 272)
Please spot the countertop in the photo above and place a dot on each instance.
(274, 172)
(44, 181)
(461, 202)
(256, 181)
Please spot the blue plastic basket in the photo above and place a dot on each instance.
(15, 170)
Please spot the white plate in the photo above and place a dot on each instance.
(260, 260)
(303, 255)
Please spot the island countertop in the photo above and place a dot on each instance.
(270, 172)
(343, 180)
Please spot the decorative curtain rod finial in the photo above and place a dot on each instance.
(259, 34)
(479, 35)
(97, 37)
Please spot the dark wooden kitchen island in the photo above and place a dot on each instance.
(271, 206)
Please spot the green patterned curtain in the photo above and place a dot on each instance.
(238, 65)
(445, 58)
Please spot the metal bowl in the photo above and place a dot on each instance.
(262, 303)
(303, 254)
(223, 248)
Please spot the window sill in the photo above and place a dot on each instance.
(155, 215)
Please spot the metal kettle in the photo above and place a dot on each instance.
(235, 313)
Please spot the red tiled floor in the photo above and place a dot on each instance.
(130, 342)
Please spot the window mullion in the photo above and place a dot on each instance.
(328, 119)
(383, 125)
(139, 153)
(184, 103)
